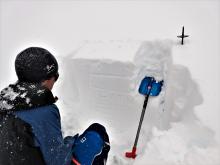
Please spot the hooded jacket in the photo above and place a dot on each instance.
(30, 127)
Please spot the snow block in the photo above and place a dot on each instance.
(103, 78)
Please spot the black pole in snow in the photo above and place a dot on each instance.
(183, 36)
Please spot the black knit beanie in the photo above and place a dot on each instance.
(35, 64)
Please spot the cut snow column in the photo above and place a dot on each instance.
(106, 77)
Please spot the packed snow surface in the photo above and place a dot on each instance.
(99, 84)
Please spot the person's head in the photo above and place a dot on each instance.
(37, 65)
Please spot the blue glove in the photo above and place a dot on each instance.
(87, 147)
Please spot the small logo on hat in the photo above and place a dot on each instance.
(50, 68)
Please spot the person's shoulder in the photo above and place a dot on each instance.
(50, 110)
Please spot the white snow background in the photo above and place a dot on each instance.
(181, 125)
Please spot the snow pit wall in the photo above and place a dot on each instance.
(105, 89)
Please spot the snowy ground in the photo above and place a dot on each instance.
(105, 90)
(185, 130)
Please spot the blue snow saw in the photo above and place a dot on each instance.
(148, 87)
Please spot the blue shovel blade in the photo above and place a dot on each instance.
(150, 86)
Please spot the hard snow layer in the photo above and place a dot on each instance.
(106, 89)
(100, 84)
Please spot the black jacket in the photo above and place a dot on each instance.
(16, 137)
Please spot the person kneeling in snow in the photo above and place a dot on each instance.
(30, 128)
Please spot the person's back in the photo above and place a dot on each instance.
(30, 127)
(17, 143)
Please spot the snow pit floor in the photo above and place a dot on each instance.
(99, 84)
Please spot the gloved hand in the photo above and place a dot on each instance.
(92, 147)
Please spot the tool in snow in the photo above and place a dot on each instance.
(148, 87)
(183, 36)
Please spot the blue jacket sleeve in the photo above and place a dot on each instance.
(46, 125)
